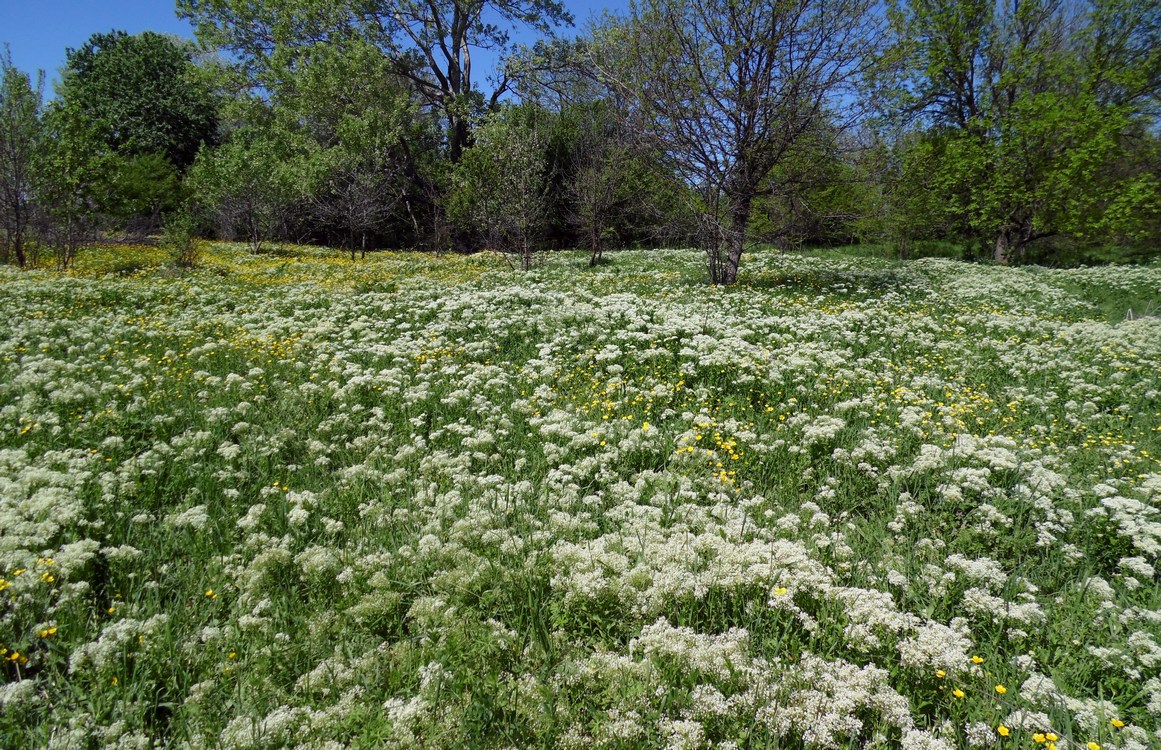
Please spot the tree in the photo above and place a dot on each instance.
(1032, 105)
(500, 186)
(727, 88)
(70, 186)
(430, 42)
(369, 136)
(249, 183)
(145, 92)
(608, 185)
(20, 133)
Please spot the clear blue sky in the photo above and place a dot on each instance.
(38, 31)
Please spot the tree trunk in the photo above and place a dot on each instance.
(19, 222)
(736, 240)
(459, 135)
(18, 247)
(1003, 251)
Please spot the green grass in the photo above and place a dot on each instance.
(297, 501)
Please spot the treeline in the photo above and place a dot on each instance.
(1015, 131)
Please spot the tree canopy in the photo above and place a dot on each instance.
(145, 94)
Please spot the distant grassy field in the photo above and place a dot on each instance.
(294, 501)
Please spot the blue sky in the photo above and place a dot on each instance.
(38, 31)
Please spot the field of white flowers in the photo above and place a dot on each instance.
(299, 502)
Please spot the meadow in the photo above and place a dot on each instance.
(294, 501)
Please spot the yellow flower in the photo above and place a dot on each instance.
(1038, 737)
(111, 610)
(780, 591)
(1093, 746)
(977, 660)
(1001, 689)
(1052, 737)
(1117, 723)
(958, 693)
(1003, 731)
(47, 632)
(940, 673)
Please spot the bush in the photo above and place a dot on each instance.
(179, 241)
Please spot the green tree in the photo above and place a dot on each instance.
(1035, 105)
(249, 184)
(20, 134)
(145, 93)
(429, 42)
(371, 140)
(71, 180)
(500, 186)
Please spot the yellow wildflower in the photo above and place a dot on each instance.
(1001, 689)
(1117, 723)
(1003, 731)
(977, 660)
(1038, 737)
(940, 673)
(958, 693)
(1093, 746)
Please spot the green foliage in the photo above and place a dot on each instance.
(20, 135)
(72, 180)
(1034, 133)
(180, 241)
(429, 43)
(250, 183)
(367, 136)
(141, 186)
(146, 94)
(500, 186)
